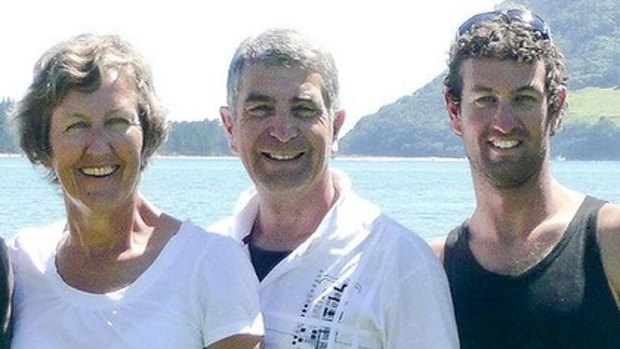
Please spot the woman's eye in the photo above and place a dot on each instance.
(118, 122)
(76, 126)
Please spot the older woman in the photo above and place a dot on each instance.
(119, 273)
(6, 291)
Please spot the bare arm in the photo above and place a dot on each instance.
(609, 241)
(438, 246)
(240, 341)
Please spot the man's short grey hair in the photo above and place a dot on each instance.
(288, 48)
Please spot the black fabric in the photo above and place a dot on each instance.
(6, 292)
(264, 260)
(562, 302)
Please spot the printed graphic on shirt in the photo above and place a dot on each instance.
(325, 306)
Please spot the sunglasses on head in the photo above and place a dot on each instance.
(534, 21)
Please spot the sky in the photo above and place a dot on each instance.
(383, 49)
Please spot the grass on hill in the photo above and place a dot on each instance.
(590, 104)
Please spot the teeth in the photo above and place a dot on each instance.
(98, 171)
(505, 144)
(283, 157)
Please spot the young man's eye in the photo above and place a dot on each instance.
(525, 100)
(485, 101)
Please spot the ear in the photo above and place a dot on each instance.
(454, 111)
(563, 96)
(554, 115)
(228, 121)
(337, 125)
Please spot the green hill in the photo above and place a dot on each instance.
(591, 104)
(588, 32)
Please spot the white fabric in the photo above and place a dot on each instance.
(200, 289)
(360, 281)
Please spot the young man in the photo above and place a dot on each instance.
(335, 272)
(537, 265)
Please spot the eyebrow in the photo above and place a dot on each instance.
(257, 97)
(485, 89)
(298, 99)
(530, 89)
(481, 89)
(111, 113)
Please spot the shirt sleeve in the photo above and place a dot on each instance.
(420, 312)
(229, 296)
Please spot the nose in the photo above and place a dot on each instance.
(505, 119)
(97, 141)
(283, 128)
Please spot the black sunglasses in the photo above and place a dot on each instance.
(533, 20)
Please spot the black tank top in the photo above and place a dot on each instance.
(564, 301)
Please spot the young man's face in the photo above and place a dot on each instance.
(282, 128)
(502, 119)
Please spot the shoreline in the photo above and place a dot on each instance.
(334, 158)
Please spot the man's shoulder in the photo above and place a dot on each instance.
(222, 227)
(398, 241)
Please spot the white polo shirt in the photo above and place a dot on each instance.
(360, 280)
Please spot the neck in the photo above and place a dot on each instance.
(285, 221)
(513, 213)
(110, 231)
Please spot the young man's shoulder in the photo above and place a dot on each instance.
(609, 242)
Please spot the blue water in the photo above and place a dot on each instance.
(430, 196)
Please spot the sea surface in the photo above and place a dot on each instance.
(430, 196)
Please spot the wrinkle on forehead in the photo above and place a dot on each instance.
(482, 75)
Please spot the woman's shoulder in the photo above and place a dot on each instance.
(38, 237)
(196, 235)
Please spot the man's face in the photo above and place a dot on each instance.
(502, 119)
(281, 127)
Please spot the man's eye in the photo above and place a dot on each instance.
(259, 110)
(303, 111)
(525, 100)
(485, 101)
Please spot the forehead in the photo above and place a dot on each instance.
(502, 74)
(278, 81)
(116, 88)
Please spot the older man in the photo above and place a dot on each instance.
(335, 272)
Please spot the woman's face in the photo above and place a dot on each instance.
(96, 142)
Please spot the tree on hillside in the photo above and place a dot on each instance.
(588, 32)
(599, 141)
(200, 138)
(7, 141)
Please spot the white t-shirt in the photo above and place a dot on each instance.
(361, 280)
(199, 290)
